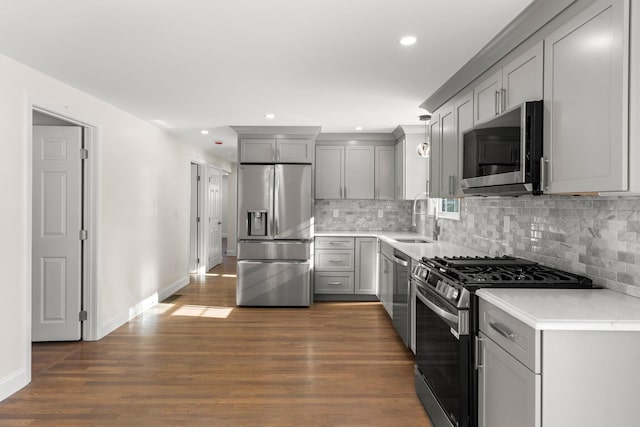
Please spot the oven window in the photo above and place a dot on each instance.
(443, 361)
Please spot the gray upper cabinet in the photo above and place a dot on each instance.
(384, 179)
(435, 166)
(345, 172)
(411, 170)
(586, 101)
(359, 172)
(294, 151)
(257, 150)
(447, 128)
(276, 151)
(517, 82)
(485, 97)
(448, 153)
(329, 172)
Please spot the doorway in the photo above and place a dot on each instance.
(215, 213)
(195, 213)
(62, 231)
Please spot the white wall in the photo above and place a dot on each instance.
(142, 209)
(232, 210)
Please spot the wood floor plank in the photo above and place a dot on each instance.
(198, 360)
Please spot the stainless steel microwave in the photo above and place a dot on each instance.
(502, 156)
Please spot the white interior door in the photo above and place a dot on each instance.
(56, 244)
(215, 218)
(194, 220)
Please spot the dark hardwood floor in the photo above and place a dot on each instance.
(198, 360)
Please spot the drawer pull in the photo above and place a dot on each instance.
(334, 283)
(502, 330)
(335, 260)
(337, 243)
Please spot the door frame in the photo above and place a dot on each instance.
(90, 295)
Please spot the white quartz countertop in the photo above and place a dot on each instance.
(568, 309)
(413, 250)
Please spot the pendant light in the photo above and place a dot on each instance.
(424, 148)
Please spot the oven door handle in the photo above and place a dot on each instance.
(439, 311)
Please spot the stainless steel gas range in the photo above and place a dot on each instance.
(447, 325)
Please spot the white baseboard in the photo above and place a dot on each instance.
(173, 288)
(12, 383)
(231, 252)
(141, 306)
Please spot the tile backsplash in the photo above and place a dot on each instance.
(598, 237)
(362, 215)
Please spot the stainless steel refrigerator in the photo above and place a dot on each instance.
(274, 235)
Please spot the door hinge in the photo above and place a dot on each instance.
(198, 177)
(197, 260)
(83, 235)
(83, 316)
(197, 219)
(84, 154)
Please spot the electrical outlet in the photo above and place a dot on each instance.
(335, 213)
(380, 213)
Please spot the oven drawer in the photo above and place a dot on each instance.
(327, 282)
(517, 338)
(325, 242)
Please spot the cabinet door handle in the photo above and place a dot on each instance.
(502, 330)
(496, 102)
(543, 174)
(504, 99)
(479, 363)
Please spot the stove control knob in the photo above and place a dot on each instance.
(452, 293)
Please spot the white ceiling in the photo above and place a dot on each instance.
(207, 64)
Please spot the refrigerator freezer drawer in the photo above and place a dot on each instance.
(274, 251)
(274, 284)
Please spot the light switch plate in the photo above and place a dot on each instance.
(335, 213)
(380, 213)
(507, 224)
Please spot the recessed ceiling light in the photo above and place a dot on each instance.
(358, 128)
(408, 40)
(270, 116)
(204, 132)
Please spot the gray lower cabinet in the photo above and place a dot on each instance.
(509, 391)
(554, 377)
(366, 265)
(345, 266)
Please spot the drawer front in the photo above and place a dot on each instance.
(327, 260)
(334, 242)
(333, 283)
(517, 338)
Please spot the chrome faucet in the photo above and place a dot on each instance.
(413, 212)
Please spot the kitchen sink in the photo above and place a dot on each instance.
(412, 240)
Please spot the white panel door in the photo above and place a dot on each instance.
(57, 220)
(215, 219)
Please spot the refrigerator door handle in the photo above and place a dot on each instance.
(276, 200)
